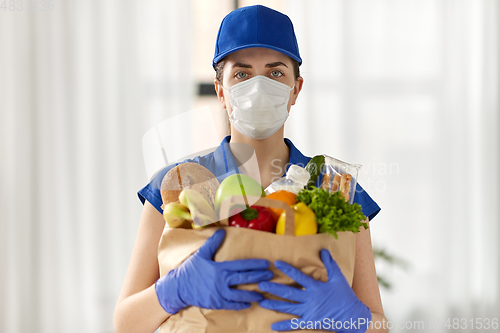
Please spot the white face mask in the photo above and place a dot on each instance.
(259, 106)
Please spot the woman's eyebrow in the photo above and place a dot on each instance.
(276, 64)
(240, 64)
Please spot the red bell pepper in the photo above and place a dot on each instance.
(254, 217)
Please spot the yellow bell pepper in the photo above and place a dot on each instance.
(305, 221)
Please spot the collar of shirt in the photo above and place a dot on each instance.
(225, 165)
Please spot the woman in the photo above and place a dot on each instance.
(257, 81)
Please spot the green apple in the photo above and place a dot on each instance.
(237, 184)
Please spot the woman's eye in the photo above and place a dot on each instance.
(241, 75)
(276, 73)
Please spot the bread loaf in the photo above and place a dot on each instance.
(188, 175)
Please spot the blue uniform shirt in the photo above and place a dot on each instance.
(222, 164)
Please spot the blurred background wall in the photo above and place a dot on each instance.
(408, 88)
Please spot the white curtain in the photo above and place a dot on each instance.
(410, 89)
(80, 83)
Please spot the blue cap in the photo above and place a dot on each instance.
(256, 26)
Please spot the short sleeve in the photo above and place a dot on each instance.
(368, 205)
(152, 191)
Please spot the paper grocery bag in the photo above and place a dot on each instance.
(303, 252)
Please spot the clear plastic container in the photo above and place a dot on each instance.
(340, 176)
(295, 180)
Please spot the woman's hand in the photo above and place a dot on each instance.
(204, 283)
(333, 303)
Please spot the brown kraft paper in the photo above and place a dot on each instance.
(302, 252)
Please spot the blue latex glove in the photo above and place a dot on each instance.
(331, 303)
(200, 281)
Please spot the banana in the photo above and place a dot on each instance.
(201, 211)
(177, 215)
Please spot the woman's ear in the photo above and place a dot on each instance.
(296, 90)
(220, 93)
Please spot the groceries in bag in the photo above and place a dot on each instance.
(282, 195)
(237, 185)
(305, 221)
(199, 197)
(296, 179)
(253, 217)
(188, 195)
(191, 176)
(178, 244)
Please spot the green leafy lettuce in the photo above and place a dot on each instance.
(333, 213)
